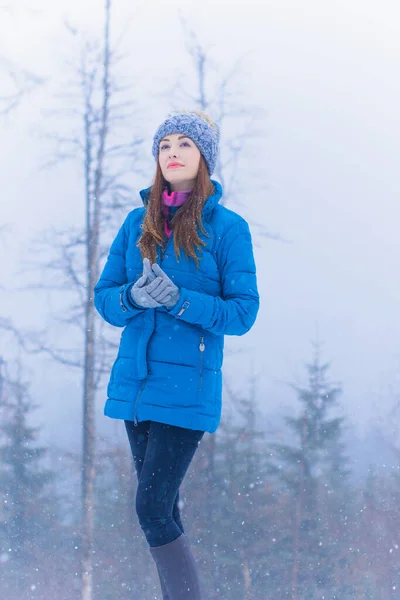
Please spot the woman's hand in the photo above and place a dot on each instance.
(139, 293)
(162, 289)
(140, 296)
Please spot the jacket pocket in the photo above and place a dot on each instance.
(202, 347)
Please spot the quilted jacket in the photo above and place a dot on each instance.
(168, 367)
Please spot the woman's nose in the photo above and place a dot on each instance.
(173, 153)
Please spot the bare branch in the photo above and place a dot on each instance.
(22, 82)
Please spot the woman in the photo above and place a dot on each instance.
(166, 383)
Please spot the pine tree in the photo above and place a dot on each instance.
(314, 470)
(29, 514)
(376, 531)
(244, 447)
(237, 564)
(123, 567)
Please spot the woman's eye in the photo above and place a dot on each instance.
(166, 146)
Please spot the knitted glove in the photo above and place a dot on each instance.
(148, 271)
(163, 289)
(139, 293)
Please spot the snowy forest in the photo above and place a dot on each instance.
(287, 499)
(288, 517)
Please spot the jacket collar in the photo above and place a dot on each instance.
(209, 204)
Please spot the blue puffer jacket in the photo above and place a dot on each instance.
(168, 367)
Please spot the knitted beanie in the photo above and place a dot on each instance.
(196, 126)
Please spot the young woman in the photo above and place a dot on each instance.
(175, 307)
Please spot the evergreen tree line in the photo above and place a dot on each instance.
(279, 515)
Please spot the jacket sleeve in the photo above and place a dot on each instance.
(235, 312)
(112, 297)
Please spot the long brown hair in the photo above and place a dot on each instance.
(185, 221)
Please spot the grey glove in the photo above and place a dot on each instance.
(139, 293)
(147, 271)
(163, 289)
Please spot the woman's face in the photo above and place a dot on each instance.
(179, 159)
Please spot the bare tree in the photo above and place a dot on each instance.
(93, 193)
(100, 108)
(240, 123)
(218, 93)
(21, 82)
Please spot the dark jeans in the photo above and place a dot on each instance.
(162, 455)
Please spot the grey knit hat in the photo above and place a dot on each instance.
(198, 128)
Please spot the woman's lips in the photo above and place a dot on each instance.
(174, 166)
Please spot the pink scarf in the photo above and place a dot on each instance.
(169, 204)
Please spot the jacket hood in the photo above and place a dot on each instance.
(209, 204)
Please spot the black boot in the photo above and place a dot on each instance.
(177, 570)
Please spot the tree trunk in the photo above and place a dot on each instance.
(88, 450)
(209, 509)
(295, 566)
(93, 207)
(247, 579)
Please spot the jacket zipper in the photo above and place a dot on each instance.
(202, 347)
(137, 400)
